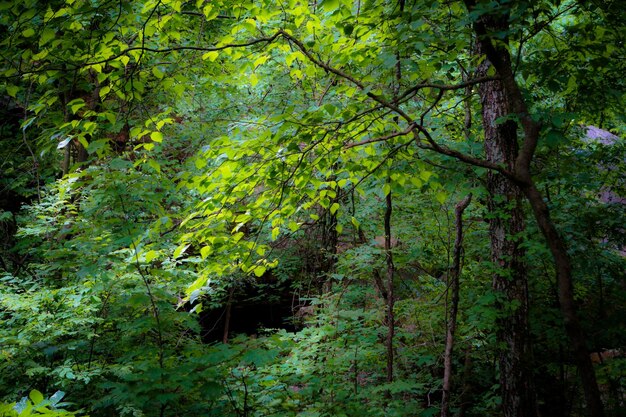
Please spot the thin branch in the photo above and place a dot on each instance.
(186, 48)
(219, 16)
(447, 87)
(444, 150)
(378, 98)
(431, 145)
(432, 106)
(381, 138)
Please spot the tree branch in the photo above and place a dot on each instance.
(446, 87)
(187, 48)
(444, 150)
(413, 126)
(381, 138)
(531, 128)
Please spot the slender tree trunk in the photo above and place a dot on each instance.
(453, 287)
(81, 153)
(67, 153)
(505, 225)
(390, 293)
(571, 322)
(229, 306)
(329, 240)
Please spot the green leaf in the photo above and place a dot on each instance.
(260, 60)
(334, 207)
(211, 56)
(56, 397)
(154, 165)
(150, 255)
(299, 19)
(329, 5)
(355, 222)
(200, 162)
(12, 90)
(425, 175)
(28, 32)
(210, 12)
(416, 182)
(36, 396)
(104, 91)
(292, 57)
(259, 270)
(46, 36)
(156, 137)
(180, 250)
(83, 141)
(157, 72)
(206, 251)
(76, 105)
(386, 189)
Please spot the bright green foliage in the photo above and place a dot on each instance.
(215, 145)
(36, 405)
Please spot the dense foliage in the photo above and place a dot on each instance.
(216, 208)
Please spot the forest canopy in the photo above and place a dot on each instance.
(323, 208)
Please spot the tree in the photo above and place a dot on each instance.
(306, 105)
(506, 225)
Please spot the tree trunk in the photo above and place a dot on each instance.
(572, 325)
(505, 225)
(390, 293)
(453, 287)
(499, 57)
(229, 306)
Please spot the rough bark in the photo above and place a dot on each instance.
(505, 225)
(523, 178)
(453, 288)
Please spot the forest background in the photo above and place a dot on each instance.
(332, 208)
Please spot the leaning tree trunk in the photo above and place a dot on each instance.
(453, 286)
(521, 174)
(572, 325)
(506, 223)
